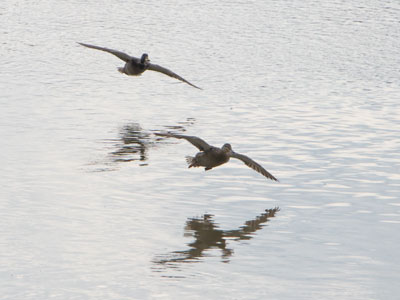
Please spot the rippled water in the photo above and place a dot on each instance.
(94, 205)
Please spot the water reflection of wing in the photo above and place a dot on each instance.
(208, 236)
(249, 227)
(135, 142)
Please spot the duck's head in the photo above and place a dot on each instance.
(226, 148)
(145, 58)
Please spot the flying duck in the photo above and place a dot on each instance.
(135, 66)
(211, 157)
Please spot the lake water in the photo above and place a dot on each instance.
(93, 205)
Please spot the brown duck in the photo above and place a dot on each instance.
(211, 157)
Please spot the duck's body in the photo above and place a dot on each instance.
(136, 66)
(210, 157)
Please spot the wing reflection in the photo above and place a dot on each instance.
(134, 143)
(208, 236)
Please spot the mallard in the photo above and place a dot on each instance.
(135, 66)
(211, 157)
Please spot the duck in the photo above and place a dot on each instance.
(210, 157)
(135, 66)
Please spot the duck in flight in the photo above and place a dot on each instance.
(136, 66)
(211, 157)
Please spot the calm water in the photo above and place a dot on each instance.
(94, 206)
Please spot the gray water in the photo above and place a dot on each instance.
(93, 205)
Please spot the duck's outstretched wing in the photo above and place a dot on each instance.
(165, 71)
(252, 164)
(194, 140)
(121, 55)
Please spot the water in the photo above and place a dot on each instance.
(95, 206)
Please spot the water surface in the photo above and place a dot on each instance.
(93, 205)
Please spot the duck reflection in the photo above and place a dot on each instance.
(208, 236)
(134, 142)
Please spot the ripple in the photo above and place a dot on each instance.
(338, 204)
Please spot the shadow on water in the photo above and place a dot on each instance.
(208, 236)
(134, 143)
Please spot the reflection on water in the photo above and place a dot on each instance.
(208, 236)
(134, 142)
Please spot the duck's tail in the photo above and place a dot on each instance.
(121, 70)
(191, 161)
